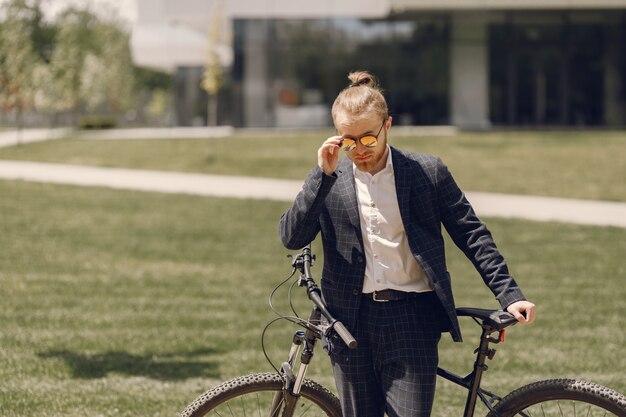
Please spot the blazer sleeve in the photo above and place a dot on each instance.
(300, 224)
(471, 235)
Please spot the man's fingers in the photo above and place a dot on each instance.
(519, 316)
(333, 143)
(523, 311)
(327, 157)
(530, 314)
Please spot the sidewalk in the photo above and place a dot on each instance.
(587, 212)
(15, 137)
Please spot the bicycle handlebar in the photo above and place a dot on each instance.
(345, 335)
(303, 262)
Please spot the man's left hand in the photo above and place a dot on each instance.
(523, 311)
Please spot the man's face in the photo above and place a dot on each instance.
(366, 159)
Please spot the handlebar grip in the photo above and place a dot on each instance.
(345, 335)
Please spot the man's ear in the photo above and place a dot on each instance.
(388, 123)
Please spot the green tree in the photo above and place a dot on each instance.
(107, 78)
(18, 58)
(213, 76)
(73, 42)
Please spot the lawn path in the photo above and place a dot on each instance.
(587, 212)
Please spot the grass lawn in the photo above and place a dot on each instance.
(585, 164)
(120, 303)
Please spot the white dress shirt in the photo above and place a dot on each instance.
(389, 261)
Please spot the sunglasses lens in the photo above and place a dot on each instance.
(348, 144)
(369, 141)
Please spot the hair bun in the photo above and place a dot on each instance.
(358, 78)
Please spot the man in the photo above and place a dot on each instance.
(380, 212)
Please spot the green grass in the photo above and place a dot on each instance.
(579, 164)
(119, 303)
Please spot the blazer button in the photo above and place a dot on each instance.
(360, 259)
(355, 292)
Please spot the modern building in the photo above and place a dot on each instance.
(470, 63)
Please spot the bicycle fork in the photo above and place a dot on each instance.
(303, 344)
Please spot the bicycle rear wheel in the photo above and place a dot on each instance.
(562, 397)
(253, 395)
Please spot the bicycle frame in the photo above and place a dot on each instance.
(472, 381)
(304, 343)
(290, 389)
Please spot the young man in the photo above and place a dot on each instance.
(380, 212)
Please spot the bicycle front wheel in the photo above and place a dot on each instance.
(254, 395)
(562, 397)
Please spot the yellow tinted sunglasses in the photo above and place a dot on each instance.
(369, 141)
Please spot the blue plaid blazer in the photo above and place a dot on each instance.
(428, 197)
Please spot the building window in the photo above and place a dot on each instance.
(308, 60)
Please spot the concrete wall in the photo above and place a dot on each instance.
(469, 72)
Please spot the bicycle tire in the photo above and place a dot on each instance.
(257, 391)
(561, 397)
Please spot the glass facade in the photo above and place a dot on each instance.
(308, 61)
(547, 71)
(560, 68)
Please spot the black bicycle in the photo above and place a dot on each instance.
(287, 392)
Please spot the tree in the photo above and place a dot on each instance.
(79, 61)
(213, 76)
(18, 58)
(119, 75)
(90, 65)
(107, 75)
(73, 43)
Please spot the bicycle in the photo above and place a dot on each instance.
(287, 392)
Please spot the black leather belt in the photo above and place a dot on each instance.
(384, 296)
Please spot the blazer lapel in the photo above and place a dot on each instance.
(402, 173)
(345, 186)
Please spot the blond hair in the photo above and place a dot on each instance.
(361, 97)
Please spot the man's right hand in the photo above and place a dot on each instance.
(328, 155)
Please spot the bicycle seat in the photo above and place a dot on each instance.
(497, 319)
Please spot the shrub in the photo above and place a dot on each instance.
(97, 122)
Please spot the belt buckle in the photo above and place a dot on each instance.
(376, 299)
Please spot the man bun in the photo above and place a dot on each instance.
(361, 98)
(358, 78)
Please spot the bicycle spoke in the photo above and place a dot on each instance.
(243, 407)
(307, 410)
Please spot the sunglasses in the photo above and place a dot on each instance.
(369, 141)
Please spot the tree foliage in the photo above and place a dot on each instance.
(18, 58)
(213, 76)
(79, 61)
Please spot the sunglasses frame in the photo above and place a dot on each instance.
(345, 149)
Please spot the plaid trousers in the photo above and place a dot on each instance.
(394, 367)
